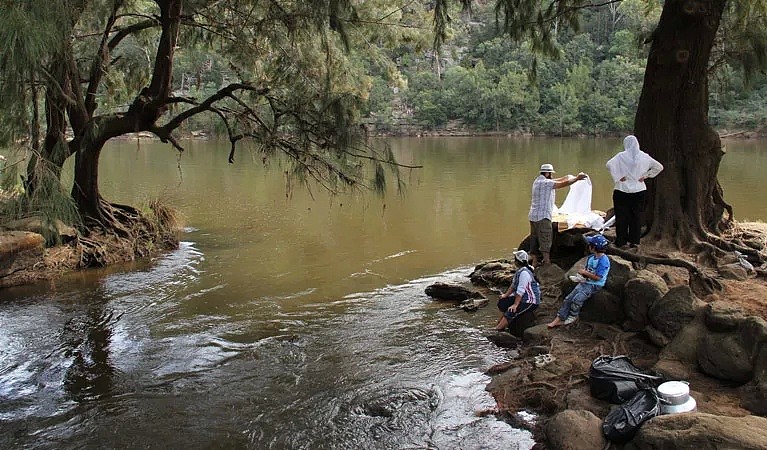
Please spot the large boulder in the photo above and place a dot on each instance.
(754, 397)
(698, 431)
(539, 334)
(639, 294)
(673, 311)
(725, 356)
(684, 346)
(723, 316)
(753, 333)
(738, 354)
(603, 307)
(550, 274)
(575, 430)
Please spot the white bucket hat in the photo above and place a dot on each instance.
(547, 168)
(521, 255)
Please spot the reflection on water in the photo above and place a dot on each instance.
(296, 323)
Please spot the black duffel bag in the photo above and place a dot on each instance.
(616, 379)
(622, 422)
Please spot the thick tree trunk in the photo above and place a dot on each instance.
(685, 200)
(85, 189)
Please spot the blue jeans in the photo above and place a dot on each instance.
(575, 300)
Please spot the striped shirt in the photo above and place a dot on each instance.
(543, 199)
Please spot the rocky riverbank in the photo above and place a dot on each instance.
(716, 342)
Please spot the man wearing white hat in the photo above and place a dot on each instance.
(541, 208)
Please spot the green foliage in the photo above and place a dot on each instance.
(50, 202)
(28, 32)
(591, 86)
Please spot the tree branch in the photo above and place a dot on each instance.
(206, 105)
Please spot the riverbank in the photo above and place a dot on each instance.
(34, 250)
(456, 132)
(717, 342)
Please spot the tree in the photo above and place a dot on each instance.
(290, 86)
(671, 122)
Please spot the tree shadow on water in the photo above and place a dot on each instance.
(85, 339)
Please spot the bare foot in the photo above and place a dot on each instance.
(557, 322)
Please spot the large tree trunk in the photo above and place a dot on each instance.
(85, 189)
(685, 200)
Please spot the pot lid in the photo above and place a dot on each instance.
(674, 389)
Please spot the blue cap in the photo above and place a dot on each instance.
(598, 241)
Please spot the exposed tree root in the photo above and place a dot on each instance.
(700, 282)
(754, 256)
(123, 233)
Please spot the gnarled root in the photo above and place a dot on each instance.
(123, 233)
(700, 282)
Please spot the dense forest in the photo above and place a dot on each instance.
(482, 81)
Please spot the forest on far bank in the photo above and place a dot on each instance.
(481, 81)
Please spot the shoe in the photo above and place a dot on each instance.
(571, 320)
(543, 360)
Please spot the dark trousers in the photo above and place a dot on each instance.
(628, 216)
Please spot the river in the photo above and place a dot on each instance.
(288, 318)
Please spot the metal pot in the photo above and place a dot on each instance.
(675, 397)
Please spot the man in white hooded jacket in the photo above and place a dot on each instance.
(629, 170)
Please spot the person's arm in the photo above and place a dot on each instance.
(590, 275)
(612, 167)
(524, 279)
(567, 181)
(517, 300)
(653, 171)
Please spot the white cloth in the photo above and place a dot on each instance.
(633, 164)
(577, 206)
(578, 199)
(542, 205)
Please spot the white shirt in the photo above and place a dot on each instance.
(542, 203)
(525, 280)
(632, 164)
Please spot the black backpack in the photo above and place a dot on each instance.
(616, 379)
(622, 422)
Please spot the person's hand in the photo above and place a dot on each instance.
(581, 176)
(502, 296)
(513, 308)
(623, 179)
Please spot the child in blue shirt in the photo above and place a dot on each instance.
(594, 277)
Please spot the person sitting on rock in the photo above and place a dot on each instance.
(592, 278)
(523, 295)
